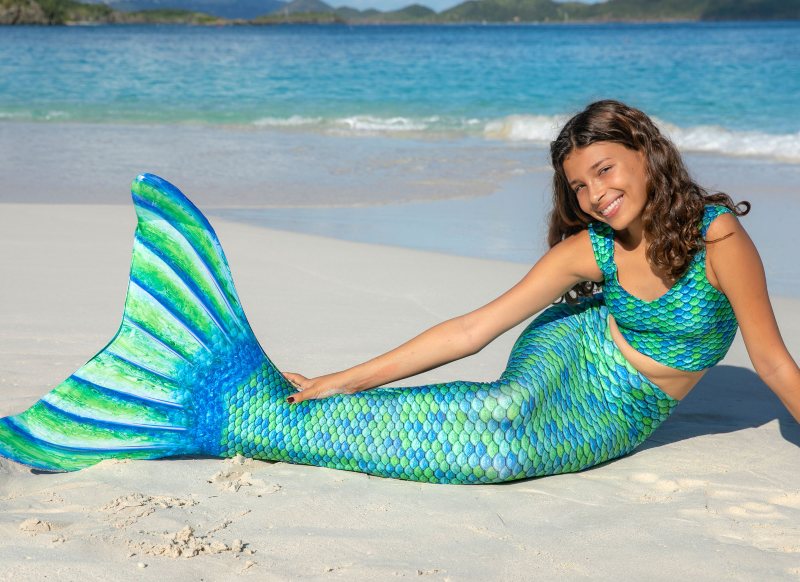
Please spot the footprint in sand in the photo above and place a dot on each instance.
(187, 543)
(237, 474)
(766, 523)
(33, 526)
(755, 511)
(653, 489)
(763, 526)
(789, 499)
(129, 509)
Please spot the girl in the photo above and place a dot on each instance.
(587, 381)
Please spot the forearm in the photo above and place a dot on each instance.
(443, 343)
(784, 381)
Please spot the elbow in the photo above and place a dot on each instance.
(473, 340)
(766, 371)
(770, 367)
(473, 348)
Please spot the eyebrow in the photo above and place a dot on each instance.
(597, 163)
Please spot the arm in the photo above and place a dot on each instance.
(564, 265)
(737, 267)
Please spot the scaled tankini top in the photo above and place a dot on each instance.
(690, 327)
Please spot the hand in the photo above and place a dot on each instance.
(313, 388)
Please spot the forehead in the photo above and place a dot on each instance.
(581, 159)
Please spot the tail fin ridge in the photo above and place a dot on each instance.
(149, 392)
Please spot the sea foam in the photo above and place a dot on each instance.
(293, 121)
(700, 138)
(544, 128)
(535, 128)
(370, 123)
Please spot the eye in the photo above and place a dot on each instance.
(578, 188)
(604, 169)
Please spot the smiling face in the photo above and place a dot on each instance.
(610, 183)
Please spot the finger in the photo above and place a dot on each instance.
(313, 394)
(301, 396)
(296, 380)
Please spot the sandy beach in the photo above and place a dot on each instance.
(367, 183)
(714, 494)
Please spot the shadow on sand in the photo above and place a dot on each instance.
(727, 399)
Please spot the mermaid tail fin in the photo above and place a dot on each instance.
(183, 334)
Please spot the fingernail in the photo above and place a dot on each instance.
(290, 399)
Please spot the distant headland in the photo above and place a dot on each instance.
(270, 12)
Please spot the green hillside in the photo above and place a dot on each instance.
(305, 6)
(620, 10)
(504, 11)
(509, 11)
(299, 18)
(410, 14)
(53, 12)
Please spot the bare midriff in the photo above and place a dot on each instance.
(675, 383)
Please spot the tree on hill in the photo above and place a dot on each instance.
(504, 11)
(301, 6)
(415, 11)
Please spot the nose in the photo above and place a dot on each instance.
(595, 192)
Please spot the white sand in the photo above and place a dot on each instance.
(715, 494)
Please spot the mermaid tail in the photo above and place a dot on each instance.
(185, 375)
(183, 335)
(567, 400)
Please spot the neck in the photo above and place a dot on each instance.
(632, 236)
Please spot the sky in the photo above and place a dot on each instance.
(386, 5)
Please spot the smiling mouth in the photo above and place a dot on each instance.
(611, 208)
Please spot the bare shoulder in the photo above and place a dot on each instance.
(576, 251)
(723, 225)
(728, 241)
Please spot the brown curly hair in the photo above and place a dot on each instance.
(675, 203)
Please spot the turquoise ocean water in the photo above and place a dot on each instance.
(731, 88)
(430, 137)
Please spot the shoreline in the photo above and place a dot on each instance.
(466, 197)
(511, 131)
(434, 166)
(510, 225)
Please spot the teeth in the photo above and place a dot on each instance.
(611, 206)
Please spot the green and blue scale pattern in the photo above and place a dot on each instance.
(184, 375)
